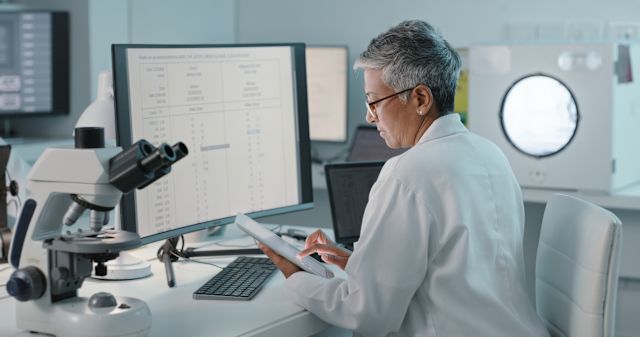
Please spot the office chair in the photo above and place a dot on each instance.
(577, 268)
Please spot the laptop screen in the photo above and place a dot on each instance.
(348, 185)
(367, 145)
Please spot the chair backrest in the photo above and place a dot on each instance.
(577, 268)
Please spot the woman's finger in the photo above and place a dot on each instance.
(316, 237)
(323, 249)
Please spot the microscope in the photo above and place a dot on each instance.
(52, 263)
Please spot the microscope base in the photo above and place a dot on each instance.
(75, 318)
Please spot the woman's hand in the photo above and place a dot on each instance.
(318, 242)
(286, 267)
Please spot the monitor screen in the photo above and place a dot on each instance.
(34, 63)
(241, 110)
(367, 145)
(348, 185)
(327, 91)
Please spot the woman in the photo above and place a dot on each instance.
(440, 253)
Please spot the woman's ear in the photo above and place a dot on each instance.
(425, 99)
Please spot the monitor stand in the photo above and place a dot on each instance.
(169, 253)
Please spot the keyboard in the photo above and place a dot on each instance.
(241, 280)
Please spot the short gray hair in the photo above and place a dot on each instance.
(413, 53)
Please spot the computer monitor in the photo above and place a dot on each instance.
(242, 112)
(34, 63)
(327, 90)
(348, 185)
(367, 145)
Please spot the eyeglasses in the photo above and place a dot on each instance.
(371, 105)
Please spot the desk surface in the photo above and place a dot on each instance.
(627, 198)
(175, 313)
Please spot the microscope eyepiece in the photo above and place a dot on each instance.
(180, 149)
(142, 164)
(162, 156)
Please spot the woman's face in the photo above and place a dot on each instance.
(396, 121)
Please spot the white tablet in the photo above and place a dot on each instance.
(271, 240)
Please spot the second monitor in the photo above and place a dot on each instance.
(242, 112)
(367, 145)
(327, 90)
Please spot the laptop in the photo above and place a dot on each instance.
(367, 145)
(348, 186)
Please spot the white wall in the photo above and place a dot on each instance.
(109, 22)
(157, 22)
(96, 24)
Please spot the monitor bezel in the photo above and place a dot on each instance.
(60, 68)
(328, 169)
(346, 108)
(124, 138)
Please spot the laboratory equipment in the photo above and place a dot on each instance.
(565, 114)
(101, 112)
(52, 263)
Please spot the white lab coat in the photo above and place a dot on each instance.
(440, 251)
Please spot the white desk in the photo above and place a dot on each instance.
(627, 198)
(175, 313)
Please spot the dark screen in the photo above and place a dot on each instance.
(34, 63)
(367, 145)
(349, 185)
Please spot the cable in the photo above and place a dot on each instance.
(178, 253)
(277, 229)
(196, 261)
(169, 246)
(16, 202)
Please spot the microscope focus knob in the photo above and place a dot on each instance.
(101, 269)
(102, 300)
(26, 284)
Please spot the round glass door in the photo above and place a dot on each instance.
(539, 115)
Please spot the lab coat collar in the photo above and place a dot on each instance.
(443, 126)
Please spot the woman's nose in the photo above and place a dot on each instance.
(370, 118)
